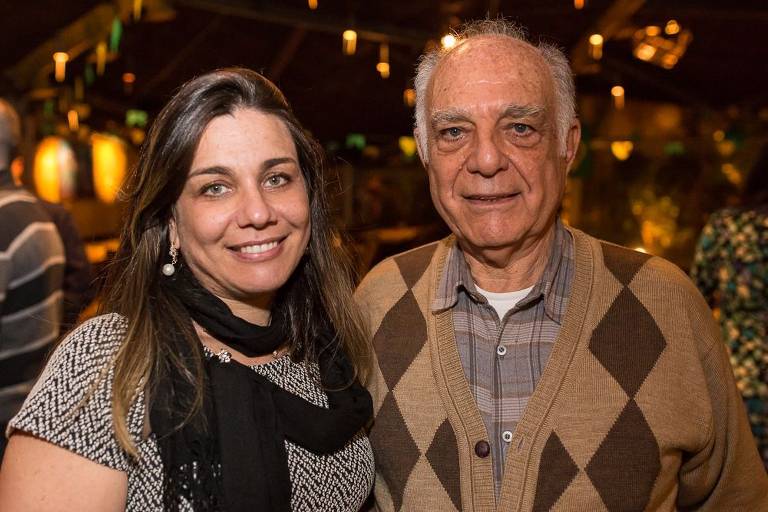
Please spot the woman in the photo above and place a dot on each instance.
(224, 377)
(730, 268)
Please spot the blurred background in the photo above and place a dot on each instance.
(673, 97)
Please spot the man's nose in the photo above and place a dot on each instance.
(487, 157)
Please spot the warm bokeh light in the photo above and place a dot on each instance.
(448, 41)
(718, 135)
(60, 65)
(407, 146)
(383, 65)
(137, 4)
(383, 69)
(622, 149)
(129, 78)
(409, 97)
(54, 169)
(109, 166)
(73, 120)
(596, 46)
(349, 42)
(101, 57)
(578, 4)
(312, 4)
(617, 92)
(672, 28)
(652, 30)
(644, 51)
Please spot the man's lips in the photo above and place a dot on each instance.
(490, 198)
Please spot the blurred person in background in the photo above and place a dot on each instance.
(225, 373)
(730, 267)
(31, 272)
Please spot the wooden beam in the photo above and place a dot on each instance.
(286, 53)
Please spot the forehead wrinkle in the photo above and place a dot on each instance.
(449, 115)
(520, 111)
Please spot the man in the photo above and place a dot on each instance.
(31, 270)
(523, 365)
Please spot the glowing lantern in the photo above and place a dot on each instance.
(617, 92)
(596, 46)
(60, 65)
(383, 66)
(109, 164)
(54, 170)
(349, 42)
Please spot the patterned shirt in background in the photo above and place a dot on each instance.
(730, 268)
(503, 359)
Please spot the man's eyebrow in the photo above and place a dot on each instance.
(451, 115)
(520, 111)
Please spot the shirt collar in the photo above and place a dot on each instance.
(456, 278)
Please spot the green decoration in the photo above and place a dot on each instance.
(135, 117)
(355, 140)
(115, 35)
(674, 148)
(89, 74)
(48, 108)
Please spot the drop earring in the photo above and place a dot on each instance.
(169, 268)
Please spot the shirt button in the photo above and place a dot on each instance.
(501, 350)
(506, 436)
(482, 449)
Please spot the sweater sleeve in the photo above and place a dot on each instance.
(726, 474)
(70, 405)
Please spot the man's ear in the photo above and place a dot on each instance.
(572, 139)
(419, 149)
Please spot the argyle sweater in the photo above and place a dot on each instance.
(636, 409)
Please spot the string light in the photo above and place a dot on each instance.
(617, 92)
(349, 42)
(74, 120)
(383, 66)
(101, 57)
(596, 46)
(409, 97)
(60, 65)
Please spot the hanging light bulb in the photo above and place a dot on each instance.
(128, 80)
(617, 92)
(312, 4)
(60, 65)
(383, 66)
(596, 46)
(101, 57)
(349, 42)
(578, 4)
(409, 97)
(137, 10)
(74, 120)
(448, 41)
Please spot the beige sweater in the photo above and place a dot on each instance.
(636, 409)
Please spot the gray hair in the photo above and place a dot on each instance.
(10, 132)
(565, 90)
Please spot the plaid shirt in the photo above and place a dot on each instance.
(504, 359)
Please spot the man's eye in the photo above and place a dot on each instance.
(453, 132)
(521, 128)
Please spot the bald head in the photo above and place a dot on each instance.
(10, 133)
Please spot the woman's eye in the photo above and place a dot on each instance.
(276, 180)
(214, 189)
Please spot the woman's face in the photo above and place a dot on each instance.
(242, 220)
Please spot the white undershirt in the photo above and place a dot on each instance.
(504, 301)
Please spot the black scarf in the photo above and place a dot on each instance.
(231, 456)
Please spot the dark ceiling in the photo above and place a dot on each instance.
(333, 94)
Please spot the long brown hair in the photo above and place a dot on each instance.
(318, 294)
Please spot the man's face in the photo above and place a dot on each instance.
(495, 168)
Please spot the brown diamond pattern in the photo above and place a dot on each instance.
(400, 337)
(622, 262)
(556, 472)
(413, 264)
(627, 341)
(626, 465)
(390, 435)
(443, 456)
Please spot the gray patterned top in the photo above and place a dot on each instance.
(56, 410)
